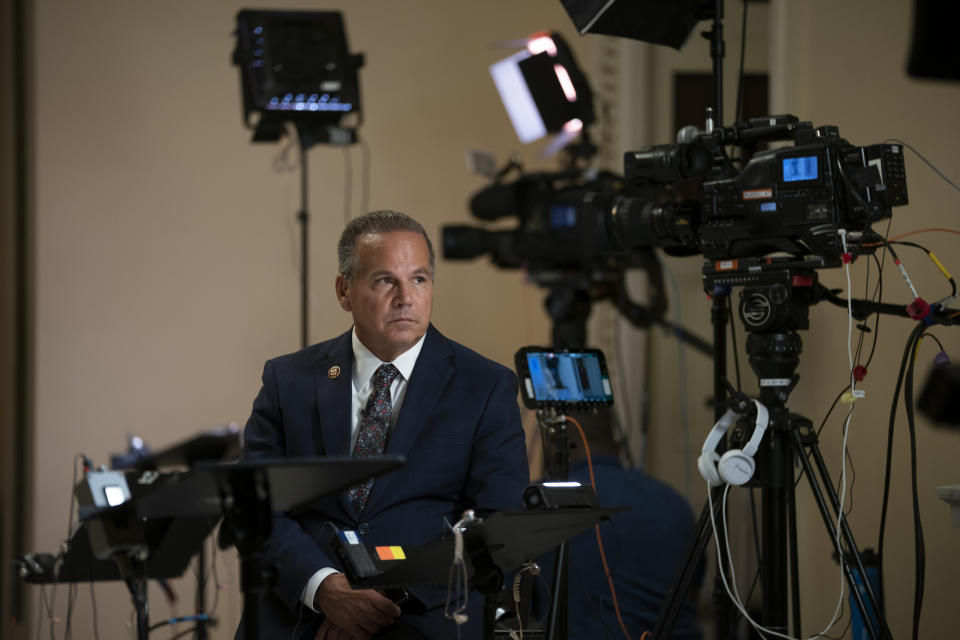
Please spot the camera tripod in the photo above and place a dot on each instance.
(774, 305)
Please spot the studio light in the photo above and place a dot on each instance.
(295, 67)
(667, 22)
(544, 91)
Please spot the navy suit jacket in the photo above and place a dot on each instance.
(459, 428)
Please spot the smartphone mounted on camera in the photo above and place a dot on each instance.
(563, 379)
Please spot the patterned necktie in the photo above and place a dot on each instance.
(373, 429)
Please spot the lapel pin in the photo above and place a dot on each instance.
(333, 372)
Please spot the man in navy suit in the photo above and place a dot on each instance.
(392, 384)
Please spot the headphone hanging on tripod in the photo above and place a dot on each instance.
(736, 466)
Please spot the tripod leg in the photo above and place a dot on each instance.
(557, 618)
(776, 534)
(799, 448)
(681, 586)
(794, 561)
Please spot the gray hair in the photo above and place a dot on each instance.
(382, 221)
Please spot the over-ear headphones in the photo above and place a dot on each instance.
(736, 465)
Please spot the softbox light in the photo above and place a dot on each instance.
(666, 22)
(543, 89)
(295, 67)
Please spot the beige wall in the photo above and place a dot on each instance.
(167, 267)
(845, 66)
(167, 260)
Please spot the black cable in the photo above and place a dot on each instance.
(304, 217)
(937, 340)
(911, 341)
(843, 634)
(365, 179)
(185, 633)
(863, 327)
(72, 588)
(71, 599)
(756, 546)
(177, 620)
(919, 550)
(733, 338)
(347, 185)
(48, 603)
(216, 577)
(625, 396)
(43, 597)
(93, 604)
(832, 407)
(738, 114)
(853, 481)
(907, 243)
(799, 474)
(878, 292)
(953, 283)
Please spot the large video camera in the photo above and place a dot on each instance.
(789, 199)
(557, 233)
(694, 198)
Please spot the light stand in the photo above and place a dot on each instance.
(295, 68)
(556, 458)
(303, 217)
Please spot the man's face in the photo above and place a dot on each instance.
(391, 296)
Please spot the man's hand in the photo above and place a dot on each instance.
(351, 613)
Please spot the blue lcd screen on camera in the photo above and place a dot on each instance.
(568, 377)
(801, 168)
(563, 216)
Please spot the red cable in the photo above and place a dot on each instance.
(603, 556)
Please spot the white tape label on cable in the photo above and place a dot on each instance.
(774, 382)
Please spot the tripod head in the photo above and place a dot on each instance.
(774, 305)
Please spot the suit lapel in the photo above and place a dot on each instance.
(430, 376)
(433, 370)
(335, 396)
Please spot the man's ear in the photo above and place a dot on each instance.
(342, 287)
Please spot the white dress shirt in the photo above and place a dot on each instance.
(365, 364)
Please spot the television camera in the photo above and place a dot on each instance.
(790, 199)
(579, 231)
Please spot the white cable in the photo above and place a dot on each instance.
(534, 569)
(458, 570)
(733, 592)
(846, 268)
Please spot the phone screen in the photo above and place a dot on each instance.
(563, 378)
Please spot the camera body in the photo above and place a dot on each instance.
(790, 199)
(795, 199)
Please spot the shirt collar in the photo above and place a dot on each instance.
(365, 363)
